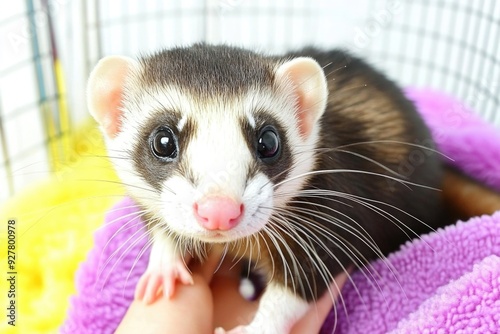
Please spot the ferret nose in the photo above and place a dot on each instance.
(218, 213)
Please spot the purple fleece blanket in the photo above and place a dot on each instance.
(446, 282)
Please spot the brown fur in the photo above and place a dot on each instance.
(466, 197)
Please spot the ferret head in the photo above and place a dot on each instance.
(210, 140)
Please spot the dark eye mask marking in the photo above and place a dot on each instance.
(269, 146)
(158, 149)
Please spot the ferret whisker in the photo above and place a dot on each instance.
(360, 234)
(256, 245)
(311, 250)
(357, 199)
(261, 236)
(248, 250)
(179, 247)
(279, 239)
(138, 255)
(280, 223)
(356, 230)
(42, 213)
(292, 233)
(36, 216)
(356, 263)
(364, 157)
(278, 175)
(242, 254)
(390, 218)
(143, 249)
(273, 264)
(132, 206)
(142, 232)
(326, 74)
(267, 235)
(355, 171)
(276, 238)
(355, 256)
(256, 240)
(365, 202)
(119, 219)
(288, 169)
(343, 67)
(387, 141)
(223, 256)
(119, 259)
(249, 245)
(123, 151)
(121, 183)
(284, 171)
(104, 157)
(347, 247)
(316, 261)
(330, 220)
(135, 186)
(121, 229)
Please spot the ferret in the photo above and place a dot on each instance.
(304, 164)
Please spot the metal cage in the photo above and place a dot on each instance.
(49, 48)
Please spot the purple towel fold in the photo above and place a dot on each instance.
(446, 282)
(449, 280)
(106, 280)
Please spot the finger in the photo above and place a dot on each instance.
(229, 269)
(191, 311)
(315, 317)
(230, 308)
(207, 267)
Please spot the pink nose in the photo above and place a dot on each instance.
(218, 213)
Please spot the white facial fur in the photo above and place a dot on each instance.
(218, 157)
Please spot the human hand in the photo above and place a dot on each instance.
(212, 301)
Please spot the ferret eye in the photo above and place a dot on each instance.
(268, 144)
(163, 144)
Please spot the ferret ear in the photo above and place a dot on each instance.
(309, 88)
(105, 91)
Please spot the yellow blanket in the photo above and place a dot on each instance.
(55, 221)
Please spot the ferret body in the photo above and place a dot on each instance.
(305, 164)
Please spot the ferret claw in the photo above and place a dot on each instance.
(164, 278)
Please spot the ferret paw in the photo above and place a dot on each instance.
(153, 280)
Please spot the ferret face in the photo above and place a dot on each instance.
(213, 153)
(210, 167)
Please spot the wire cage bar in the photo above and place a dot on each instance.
(50, 47)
